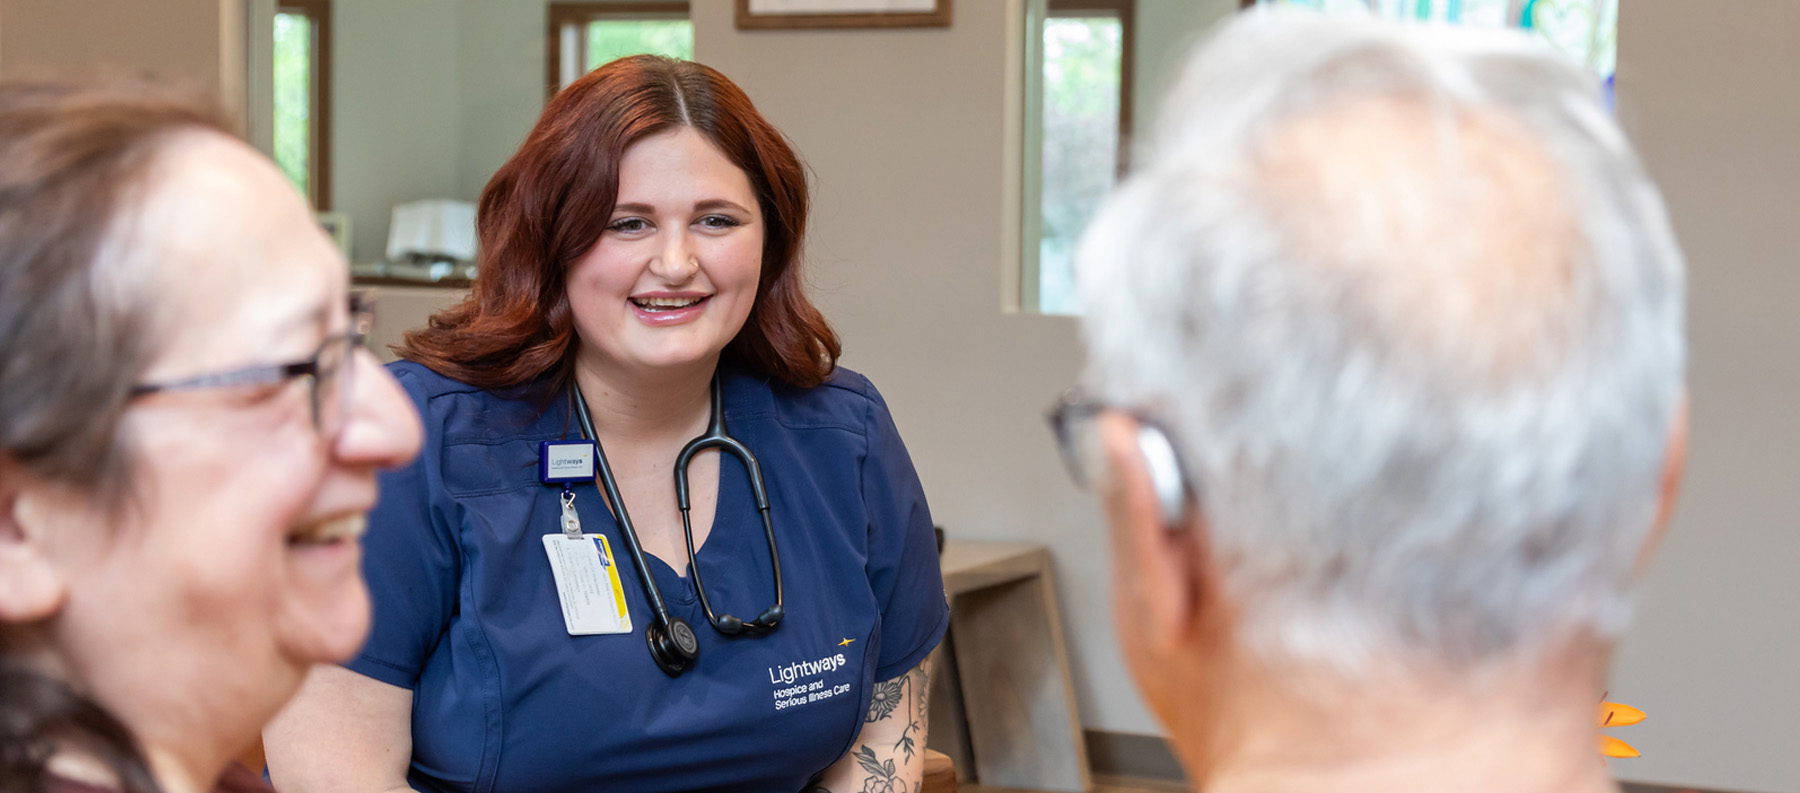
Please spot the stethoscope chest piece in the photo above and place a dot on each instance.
(673, 649)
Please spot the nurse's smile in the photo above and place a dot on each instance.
(668, 308)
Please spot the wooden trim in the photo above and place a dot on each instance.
(560, 15)
(574, 13)
(318, 164)
(939, 18)
(370, 281)
(1125, 10)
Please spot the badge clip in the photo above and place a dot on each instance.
(571, 522)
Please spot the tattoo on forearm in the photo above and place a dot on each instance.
(886, 696)
(908, 689)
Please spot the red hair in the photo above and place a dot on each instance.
(548, 205)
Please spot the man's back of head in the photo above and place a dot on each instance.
(1410, 313)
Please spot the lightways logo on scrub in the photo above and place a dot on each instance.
(806, 682)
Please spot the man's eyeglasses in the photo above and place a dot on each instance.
(1072, 419)
(327, 372)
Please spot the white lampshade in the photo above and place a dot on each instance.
(434, 228)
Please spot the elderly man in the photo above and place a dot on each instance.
(1385, 403)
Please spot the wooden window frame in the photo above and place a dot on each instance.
(938, 17)
(562, 15)
(318, 161)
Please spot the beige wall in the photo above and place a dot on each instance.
(1711, 102)
(197, 43)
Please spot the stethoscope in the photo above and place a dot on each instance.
(672, 642)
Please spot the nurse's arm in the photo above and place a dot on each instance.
(889, 753)
(343, 732)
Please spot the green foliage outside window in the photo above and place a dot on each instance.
(293, 97)
(1082, 61)
(609, 39)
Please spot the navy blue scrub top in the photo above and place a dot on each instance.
(504, 699)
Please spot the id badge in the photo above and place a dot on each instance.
(587, 584)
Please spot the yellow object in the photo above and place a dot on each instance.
(1613, 714)
(1613, 747)
(618, 589)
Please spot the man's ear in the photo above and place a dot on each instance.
(1168, 561)
(1674, 466)
(32, 586)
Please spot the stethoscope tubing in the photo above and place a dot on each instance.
(664, 623)
(609, 486)
(716, 438)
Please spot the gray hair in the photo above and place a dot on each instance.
(1412, 311)
(77, 294)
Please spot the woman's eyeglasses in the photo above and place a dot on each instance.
(327, 372)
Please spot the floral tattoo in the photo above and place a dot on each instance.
(909, 689)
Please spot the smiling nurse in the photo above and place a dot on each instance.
(640, 258)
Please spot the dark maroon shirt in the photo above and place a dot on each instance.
(236, 779)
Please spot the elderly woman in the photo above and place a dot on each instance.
(1385, 369)
(574, 589)
(189, 435)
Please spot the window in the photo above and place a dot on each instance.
(1585, 30)
(302, 96)
(585, 35)
(1080, 108)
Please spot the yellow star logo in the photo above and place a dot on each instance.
(845, 643)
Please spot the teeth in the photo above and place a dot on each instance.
(347, 527)
(665, 302)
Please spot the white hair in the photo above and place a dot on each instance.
(1412, 311)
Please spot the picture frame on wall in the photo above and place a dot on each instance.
(801, 14)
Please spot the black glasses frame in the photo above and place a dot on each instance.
(1072, 410)
(319, 368)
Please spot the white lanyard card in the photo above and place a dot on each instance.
(587, 583)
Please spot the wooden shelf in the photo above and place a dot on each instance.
(1011, 667)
